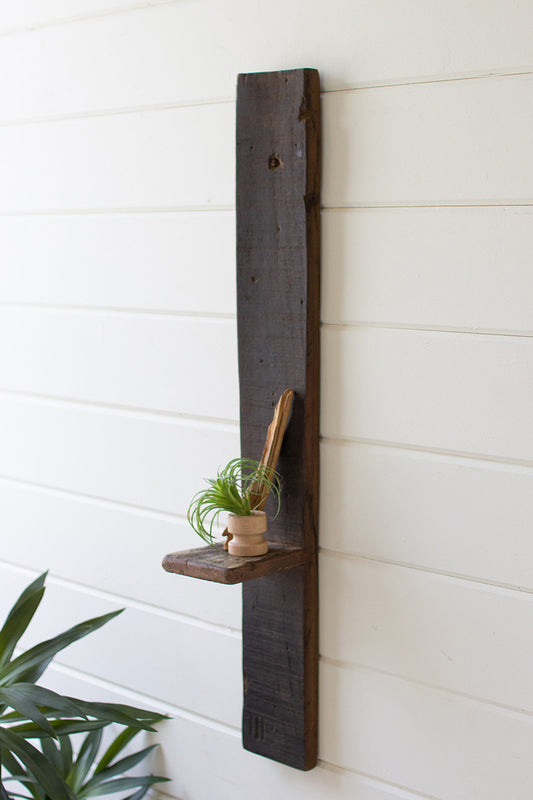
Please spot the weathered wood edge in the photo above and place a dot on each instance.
(216, 565)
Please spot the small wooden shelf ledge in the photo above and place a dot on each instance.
(215, 563)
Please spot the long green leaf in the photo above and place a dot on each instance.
(19, 618)
(138, 795)
(119, 784)
(25, 699)
(30, 665)
(15, 768)
(116, 747)
(52, 755)
(26, 708)
(37, 765)
(86, 757)
(65, 749)
(48, 700)
(118, 712)
(62, 727)
(119, 767)
(10, 762)
(17, 794)
(3, 794)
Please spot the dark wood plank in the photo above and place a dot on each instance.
(278, 216)
(215, 564)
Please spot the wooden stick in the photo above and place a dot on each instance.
(271, 451)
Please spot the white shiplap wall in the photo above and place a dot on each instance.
(116, 276)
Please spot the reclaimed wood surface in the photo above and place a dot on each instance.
(278, 188)
(215, 563)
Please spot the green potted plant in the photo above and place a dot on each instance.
(28, 711)
(240, 489)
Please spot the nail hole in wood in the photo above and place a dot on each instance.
(274, 161)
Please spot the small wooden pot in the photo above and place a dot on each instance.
(247, 533)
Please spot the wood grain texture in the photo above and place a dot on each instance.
(278, 184)
(215, 563)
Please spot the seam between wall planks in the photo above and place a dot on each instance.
(123, 600)
(208, 316)
(119, 210)
(158, 704)
(379, 782)
(375, 782)
(504, 202)
(230, 426)
(113, 12)
(146, 511)
(347, 440)
(407, 792)
(209, 101)
(164, 516)
(67, 308)
(344, 665)
(113, 112)
(145, 699)
(405, 326)
(117, 409)
(355, 667)
(507, 588)
(72, 308)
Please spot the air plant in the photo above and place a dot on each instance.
(240, 488)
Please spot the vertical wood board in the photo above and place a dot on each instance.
(278, 194)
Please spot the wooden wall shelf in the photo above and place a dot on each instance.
(278, 246)
(215, 564)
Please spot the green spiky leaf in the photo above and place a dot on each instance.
(31, 664)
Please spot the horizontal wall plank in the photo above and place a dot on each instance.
(186, 745)
(439, 512)
(157, 655)
(433, 742)
(446, 267)
(117, 550)
(438, 144)
(451, 267)
(446, 391)
(32, 13)
(429, 628)
(179, 157)
(433, 144)
(181, 365)
(355, 43)
(170, 262)
(146, 461)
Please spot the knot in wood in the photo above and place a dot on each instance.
(274, 161)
